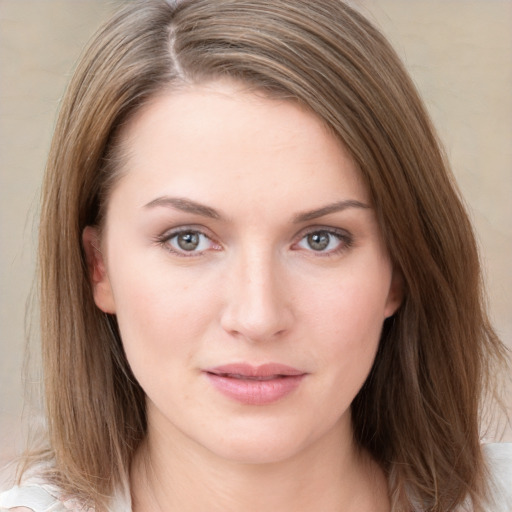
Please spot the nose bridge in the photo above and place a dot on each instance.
(256, 305)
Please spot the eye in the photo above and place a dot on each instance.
(325, 241)
(188, 242)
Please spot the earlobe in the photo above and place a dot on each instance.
(102, 290)
(395, 295)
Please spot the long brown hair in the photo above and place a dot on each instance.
(418, 412)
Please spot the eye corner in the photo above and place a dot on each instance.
(195, 242)
(322, 241)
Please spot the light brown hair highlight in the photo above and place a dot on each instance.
(418, 412)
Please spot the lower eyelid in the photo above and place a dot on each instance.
(345, 241)
(165, 241)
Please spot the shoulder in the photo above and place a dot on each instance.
(28, 497)
(39, 496)
(499, 463)
(35, 494)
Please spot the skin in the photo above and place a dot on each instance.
(256, 289)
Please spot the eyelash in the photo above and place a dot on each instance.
(345, 241)
(165, 241)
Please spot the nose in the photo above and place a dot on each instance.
(257, 303)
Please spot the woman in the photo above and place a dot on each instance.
(259, 287)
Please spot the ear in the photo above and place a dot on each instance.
(395, 295)
(102, 290)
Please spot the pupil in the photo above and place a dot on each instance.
(318, 241)
(188, 241)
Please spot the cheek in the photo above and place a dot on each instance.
(346, 321)
(355, 302)
(160, 312)
(161, 330)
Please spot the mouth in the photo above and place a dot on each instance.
(247, 377)
(255, 385)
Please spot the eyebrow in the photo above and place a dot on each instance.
(185, 205)
(326, 210)
(189, 206)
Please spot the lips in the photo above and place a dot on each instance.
(255, 385)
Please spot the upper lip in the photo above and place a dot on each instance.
(248, 370)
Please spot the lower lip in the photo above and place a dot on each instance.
(255, 392)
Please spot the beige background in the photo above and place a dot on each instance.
(458, 51)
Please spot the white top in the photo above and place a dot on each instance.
(40, 497)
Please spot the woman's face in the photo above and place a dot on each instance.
(243, 260)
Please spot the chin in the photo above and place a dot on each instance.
(258, 453)
(268, 444)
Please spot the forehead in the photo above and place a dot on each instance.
(206, 141)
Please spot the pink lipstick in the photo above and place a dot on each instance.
(255, 385)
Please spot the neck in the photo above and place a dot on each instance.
(173, 473)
